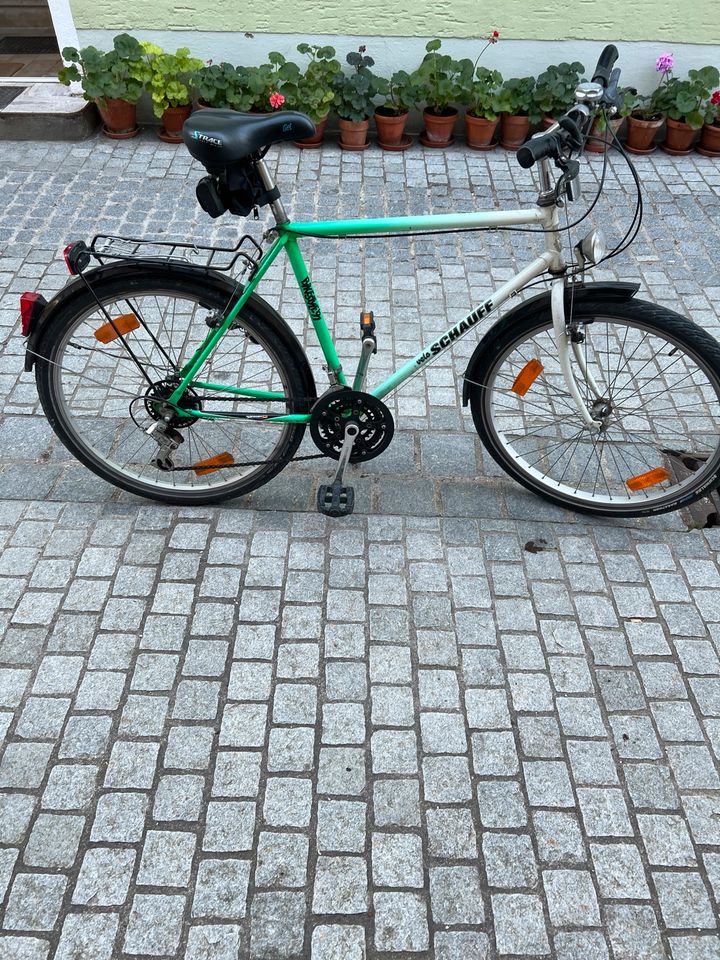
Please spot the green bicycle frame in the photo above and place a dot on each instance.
(287, 238)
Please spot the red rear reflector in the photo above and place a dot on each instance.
(527, 377)
(649, 479)
(66, 258)
(31, 305)
(212, 463)
(111, 331)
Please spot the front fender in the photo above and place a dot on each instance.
(129, 270)
(619, 291)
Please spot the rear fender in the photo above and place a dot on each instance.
(612, 290)
(120, 270)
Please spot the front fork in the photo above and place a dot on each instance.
(563, 344)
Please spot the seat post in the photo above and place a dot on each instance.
(276, 205)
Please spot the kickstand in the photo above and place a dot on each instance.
(335, 499)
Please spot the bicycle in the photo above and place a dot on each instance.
(584, 394)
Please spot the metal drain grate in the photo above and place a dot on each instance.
(28, 45)
(8, 94)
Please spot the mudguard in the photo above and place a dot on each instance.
(130, 271)
(617, 291)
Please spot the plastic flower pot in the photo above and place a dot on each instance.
(679, 138)
(514, 131)
(598, 139)
(391, 129)
(119, 118)
(710, 142)
(315, 141)
(172, 123)
(439, 127)
(641, 133)
(479, 132)
(354, 135)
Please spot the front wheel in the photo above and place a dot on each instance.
(649, 376)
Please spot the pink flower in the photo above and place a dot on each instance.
(664, 63)
(715, 98)
(276, 100)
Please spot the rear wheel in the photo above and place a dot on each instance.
(102, 393)
(649, 375)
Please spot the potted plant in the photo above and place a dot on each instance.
(480, 96)
(646, 117)
(390, 118)
(710, 143)
(555, 90)
(312, 92)
(114, 81)
(683, 103)
(222, 86)
(516, 105)
(354, 95)
(169, 87)
(438, 82)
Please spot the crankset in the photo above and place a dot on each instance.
(336, 410)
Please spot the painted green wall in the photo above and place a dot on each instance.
(691, 21)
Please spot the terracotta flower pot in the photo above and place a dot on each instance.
(390, 128)
(479, 132)
(597, 140)
(119, 118)
(679, 138)
(514, 131)
(710, 143)
(313, 142)
(546, 122)
(354, 135)
(439, 127)
(172, 123)
(641, 133)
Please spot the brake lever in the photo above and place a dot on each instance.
(610, 96)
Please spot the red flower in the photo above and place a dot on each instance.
(362, 48)
(494, 36)
(276, 100)
(715, 98)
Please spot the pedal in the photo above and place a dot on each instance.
(335, 499)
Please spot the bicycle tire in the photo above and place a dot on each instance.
(211, 293)
(505, 336)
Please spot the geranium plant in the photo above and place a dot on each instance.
(685, 100)
(712, 109)
(400, 93)
(169, 76)
(647, 106)
(438, 79)
(312, 92)
(223, 85)
(516, 99)
(480, 93)
(555, 88)
(355, 92)
(119, 74)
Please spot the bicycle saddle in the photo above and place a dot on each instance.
(218, 138)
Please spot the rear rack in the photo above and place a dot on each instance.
(108, 247)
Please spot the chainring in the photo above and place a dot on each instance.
(336, 409)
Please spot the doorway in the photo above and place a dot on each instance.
(29, 48)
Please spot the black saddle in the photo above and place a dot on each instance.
(219, 138)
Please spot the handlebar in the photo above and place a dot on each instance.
(605, 64)
(567, 133)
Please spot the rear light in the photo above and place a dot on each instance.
(76, 256)
(31, 306)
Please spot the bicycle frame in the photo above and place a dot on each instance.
(288, 235)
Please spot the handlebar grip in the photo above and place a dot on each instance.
(537, 148)
(605, 64)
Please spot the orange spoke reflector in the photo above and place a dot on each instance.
(212, 464)
(111, 331)
(527, 377)
(649, 479)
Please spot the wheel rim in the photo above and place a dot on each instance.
(664, 405)
(107, 404)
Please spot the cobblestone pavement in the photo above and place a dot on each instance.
(460, 725)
